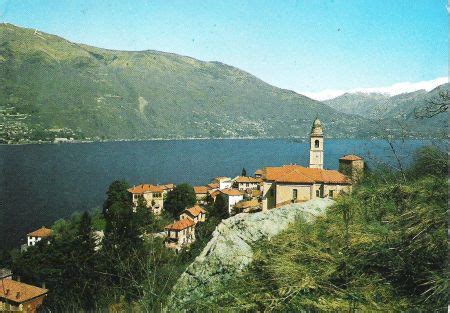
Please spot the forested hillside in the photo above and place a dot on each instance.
(51, 87)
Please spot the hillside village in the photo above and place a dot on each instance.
(269, 188)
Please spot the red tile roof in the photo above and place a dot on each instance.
(351, 157)
(214, 193)
(201, 189)
(258, 172)
(300, 174)
(41, 232)
(19, 292)
(231, 192)
(247, 204)
(213, 185)
(246, 179)
(180, 225)
(167, 186)
(144, 188)
(195, 210)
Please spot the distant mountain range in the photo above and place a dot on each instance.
(50, 87)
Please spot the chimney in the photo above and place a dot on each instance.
(43, 285)
(7, 292)
(18, 295)
(18, 279)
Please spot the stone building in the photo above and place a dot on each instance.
(352, 166)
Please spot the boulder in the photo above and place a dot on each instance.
(230, 250)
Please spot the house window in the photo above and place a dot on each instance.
(294, 194)
(317, 193)
(316, 144)
(331, 193)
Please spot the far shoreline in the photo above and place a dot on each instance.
(299, 139)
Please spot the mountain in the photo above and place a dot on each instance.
(396, 110)
(51, 87)
(363, 104)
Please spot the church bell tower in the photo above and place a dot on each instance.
(316, 145)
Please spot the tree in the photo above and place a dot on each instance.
(220, 208)
(180, 198)
(429, 161)
(117, 192)
(143, 215)
(244, 172)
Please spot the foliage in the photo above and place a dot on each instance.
(429, 161)
(117, 193)
(220, 207)
(180, 198)
(384, 247)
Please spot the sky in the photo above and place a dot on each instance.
(317, 48)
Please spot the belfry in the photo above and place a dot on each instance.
(316, 145)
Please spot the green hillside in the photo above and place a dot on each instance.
(51, 87)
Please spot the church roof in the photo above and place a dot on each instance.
(316, 128)
(303, 175)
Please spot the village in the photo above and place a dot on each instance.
(268, 188)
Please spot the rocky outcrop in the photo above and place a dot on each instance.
(231, 250)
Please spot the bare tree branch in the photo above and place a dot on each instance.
(434, 107)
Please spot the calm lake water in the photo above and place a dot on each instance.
(42, 183)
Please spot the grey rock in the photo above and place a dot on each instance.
(231, 250)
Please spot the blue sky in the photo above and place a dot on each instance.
(306, 46)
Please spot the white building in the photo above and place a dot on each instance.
(232, 197)
(38, 235)
(246, 183)
(224, 182)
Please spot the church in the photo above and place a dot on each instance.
(294, 183)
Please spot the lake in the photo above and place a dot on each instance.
(42, 183)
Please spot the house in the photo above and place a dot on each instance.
(166, 188)
(152, 194)
(248, 206)
(232, 197)
(38, 235)
(352, 166)
(201, 192)
(224, 182)
(17, 296)
(180, 234)
(246, 183)
(258, 173)
(213, 187)
(196, 214)
(214, 193)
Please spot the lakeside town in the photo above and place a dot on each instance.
(268, 188)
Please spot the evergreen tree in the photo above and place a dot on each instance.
(180, 198)
(117, 193)
(244, 172)
(220, 208)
